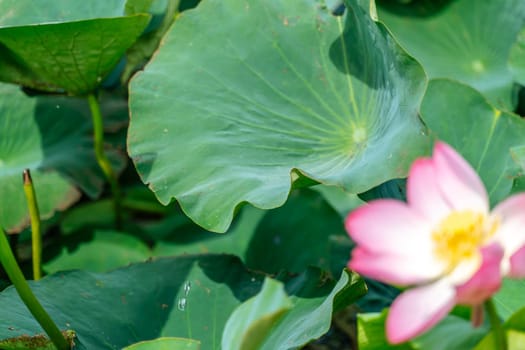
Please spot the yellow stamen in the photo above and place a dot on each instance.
(459, 236)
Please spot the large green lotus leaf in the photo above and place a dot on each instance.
(189, 297)
(517, 58)
(461, 42)
(51, 136)
(62, 46)
(312, 94)
(483, 134)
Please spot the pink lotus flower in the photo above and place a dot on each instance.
(445, 243)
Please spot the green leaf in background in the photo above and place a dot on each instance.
(252, 321)
(518, 155)
(505, 299)
(378, 297)
(179, 235)
(517, 58)
(51, 136)
(515, 330)
(306, 231)
(107, 250)
(483, 134)
(189, 297)
(88, 217)
(461, 41)
(342, 201)
(59, 46)
(163, 14)
(311, 95)
(453, 332)
(515, 325)
(371, 333)
(515, 341)
(188, 4)
(166, 343)
(395, 189)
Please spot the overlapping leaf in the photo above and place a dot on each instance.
(273, 320)
(64, 46)
(242, 94)
(467, 40)
(252, 321)
(51, 136)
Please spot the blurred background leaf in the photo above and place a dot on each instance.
(484, 135)
(51, 136)
(458, 40)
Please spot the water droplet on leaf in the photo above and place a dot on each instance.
(181, 304)
(187, 288)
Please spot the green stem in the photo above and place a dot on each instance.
(22, 287)
(34, 215)
(102, 159)
(500, 337)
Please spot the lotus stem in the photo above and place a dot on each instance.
(24, 291)
(34, 215)
(102, 159)
(499, 334)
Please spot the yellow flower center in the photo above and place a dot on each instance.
(459, 236)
